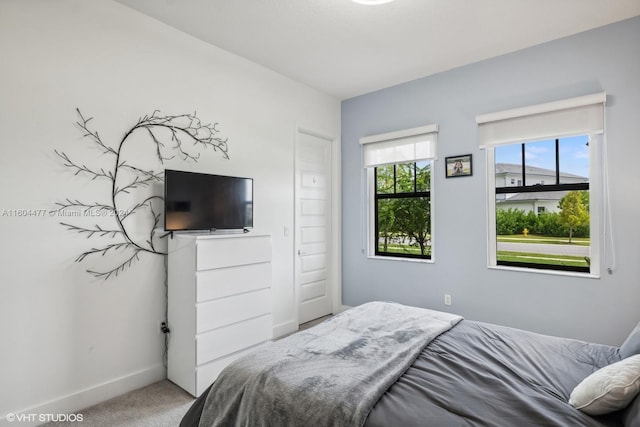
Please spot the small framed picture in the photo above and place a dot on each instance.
(458, 166)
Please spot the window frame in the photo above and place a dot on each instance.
(582, 115)
(595, 212)
(427, 133)
(374, 248)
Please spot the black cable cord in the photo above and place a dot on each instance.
(165, 328)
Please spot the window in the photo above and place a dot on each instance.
(399, 166)
(540, 225)
(402, 210)
(548, 220)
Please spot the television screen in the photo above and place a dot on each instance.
(198, 201)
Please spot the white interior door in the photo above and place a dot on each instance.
(313, 226)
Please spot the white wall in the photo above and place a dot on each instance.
(68, 339)
(602, 310)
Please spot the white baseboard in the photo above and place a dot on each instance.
(285, 328)
(73, 403)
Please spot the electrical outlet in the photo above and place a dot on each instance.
(447, 299)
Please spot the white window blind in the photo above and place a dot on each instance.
(403, 146)
(569, 117)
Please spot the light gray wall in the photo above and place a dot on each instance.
(602, 310)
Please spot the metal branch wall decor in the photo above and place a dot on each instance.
(177, 137)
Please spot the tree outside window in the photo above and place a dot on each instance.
(403, 210)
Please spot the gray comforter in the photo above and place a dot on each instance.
(329, 375)
(475, 374)
(479, 374)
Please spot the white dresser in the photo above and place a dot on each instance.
(219, 303)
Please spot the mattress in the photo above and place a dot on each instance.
(478, 374)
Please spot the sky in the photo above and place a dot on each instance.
(574, 154)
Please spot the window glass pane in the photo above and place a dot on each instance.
(404, 226)
(549, 227)
(574, 159)
(540, 162)
(423, 176)
(545, 228)
(384, 179)
(405, 178)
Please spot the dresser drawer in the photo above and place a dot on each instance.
(229, 339)
(224, 282)
(232, 251)
(225, 311)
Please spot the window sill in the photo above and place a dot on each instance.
(548, 272)
(391, 258)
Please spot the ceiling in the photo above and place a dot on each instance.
(347, 49)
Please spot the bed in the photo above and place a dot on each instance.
(386, 364)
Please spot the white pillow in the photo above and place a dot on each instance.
(608, 389)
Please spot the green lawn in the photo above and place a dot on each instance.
(547, 259)
(541, 258)
(532, 238)
(403, 249)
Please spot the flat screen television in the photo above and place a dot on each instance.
(197, 201)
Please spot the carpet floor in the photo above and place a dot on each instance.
(161, 404)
